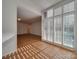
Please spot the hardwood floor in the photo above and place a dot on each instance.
(23, 40)
(31, 47)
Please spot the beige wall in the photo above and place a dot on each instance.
(36, 28)
(22, 28)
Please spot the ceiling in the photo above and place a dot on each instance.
(29, 9)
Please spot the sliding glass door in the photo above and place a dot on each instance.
(59, 24)
(49, 25)
(68, 30)
(46, 29)
(68, 25)
(52, 29)
(58, 30)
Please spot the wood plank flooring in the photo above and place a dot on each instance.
(31, 47)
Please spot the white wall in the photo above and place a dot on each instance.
(9, 46)
(9, 24)
(22, 28)
(36, 28)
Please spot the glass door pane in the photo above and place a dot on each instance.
(46, 29)
(51, 30)
(58, 30)
(68, 30)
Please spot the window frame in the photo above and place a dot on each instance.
(62, 14)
